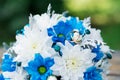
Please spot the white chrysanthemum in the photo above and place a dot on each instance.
(33, 41)
(46, 20)
(35, 38)
(73, 63)
(86, 23)
(105, 48)
(94, 35)
(18, 74)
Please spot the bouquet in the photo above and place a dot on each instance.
(55, 47)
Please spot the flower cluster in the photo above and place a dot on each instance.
(56, 47)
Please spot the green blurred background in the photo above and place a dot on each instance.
(105, 15)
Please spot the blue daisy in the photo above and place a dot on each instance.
(39, 68)
(8, 64)
(62, 31)
(98, 52)
(93, 73)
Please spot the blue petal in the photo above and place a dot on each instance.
(57, 39)
(50, 32)
(39, 59)
(93, 73)
(32, 63)
(8, 64)
(98, 53)
(59, 28)
(35, 77)
(49, 62)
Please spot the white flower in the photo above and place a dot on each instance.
(45, 20)
(73, 63)
(33, 41)
(94, 35)
(86, 22)
(105, 48)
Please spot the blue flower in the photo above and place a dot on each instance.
(62, 30)
(78, 25)
(39, 68)
(8, 64)
(98, 52)
(93, 73)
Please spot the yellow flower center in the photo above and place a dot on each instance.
(72, 63)
(34, 46)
